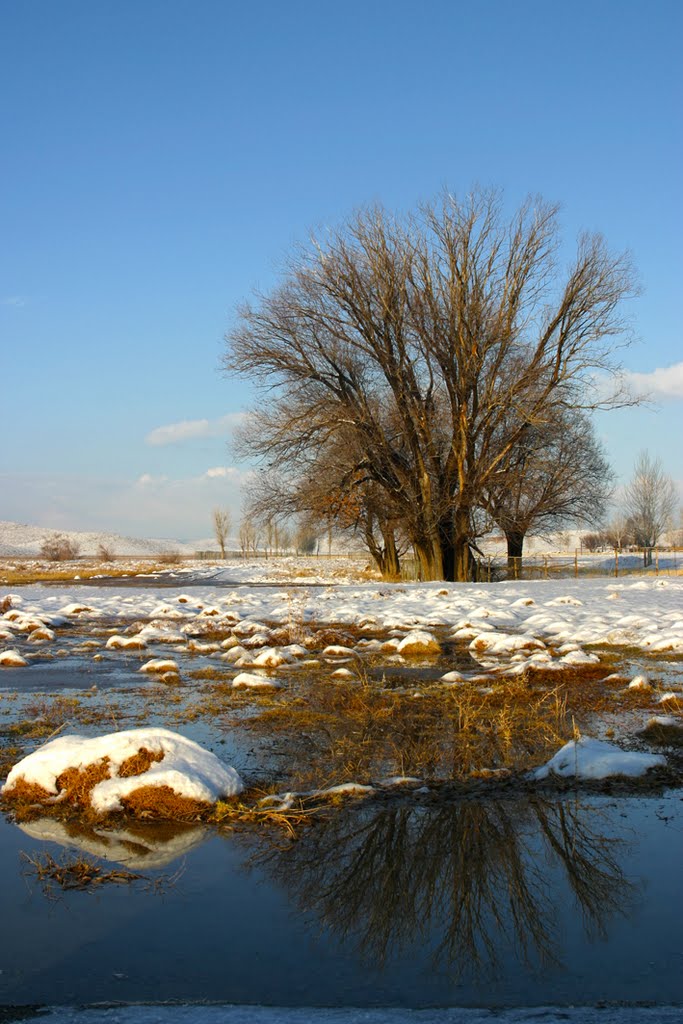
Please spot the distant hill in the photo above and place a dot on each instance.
(18, 539)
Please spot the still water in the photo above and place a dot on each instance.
(513, 902)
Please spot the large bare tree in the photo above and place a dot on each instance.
(417, 336)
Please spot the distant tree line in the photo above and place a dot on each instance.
(649, 509)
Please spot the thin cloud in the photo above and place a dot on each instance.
(150, 505)
(191, 430)
(14, 300)
(664, 382)
(222, 472)
(147, 480)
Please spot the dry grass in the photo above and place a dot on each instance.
(138, 764)
(164, 803)
(247, 811)
(75, 785)
(346, 732)
(72, 873)
(16, 572)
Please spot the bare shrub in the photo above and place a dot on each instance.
(59, 548)
(105, 553)
(170, 558)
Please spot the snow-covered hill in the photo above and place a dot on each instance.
(17, 539)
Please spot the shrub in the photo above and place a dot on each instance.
(105, 553)
(59, 548)
(593, 541)
(170, 558)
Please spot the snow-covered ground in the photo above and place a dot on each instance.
(502, 629)
(645, 613)
(309, 1015)
(20, 540)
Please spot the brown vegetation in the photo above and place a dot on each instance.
(59, 548)
(72, 873)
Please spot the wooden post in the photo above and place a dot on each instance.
(576, 564)
(488, 568)
(656, 561)
(545, 566)
(616, 561)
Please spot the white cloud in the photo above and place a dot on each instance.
(190, 430)
(664, 382)
(222, 472)
(13, 300)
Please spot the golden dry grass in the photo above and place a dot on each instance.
(139, 763)
(72, 873)
(164, 803)
(347, 732)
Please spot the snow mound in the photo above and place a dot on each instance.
(418, 642)
(588, 758)
(250, 681)
(159, 665)
(12, 659)
(148, 757)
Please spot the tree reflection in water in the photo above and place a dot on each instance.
(462, 880)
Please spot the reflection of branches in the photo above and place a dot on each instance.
(589, 861)
(460, 878)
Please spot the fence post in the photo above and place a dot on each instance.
(545, 566)
(576, 564)
(488, 568)
(616, 561)
(656, 561)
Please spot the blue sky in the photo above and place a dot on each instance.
(160, 157)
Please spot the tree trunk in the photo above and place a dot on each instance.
(458, 546)
(430, 560)
(515, 542)
(446, 554)
(385, 555)
(391, 567)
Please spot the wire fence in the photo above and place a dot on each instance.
(496, 567)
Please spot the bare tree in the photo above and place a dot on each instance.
(650, 501)
(248, 536)
(556, 474)
(222, 523)
(618, 532)
(417, 336)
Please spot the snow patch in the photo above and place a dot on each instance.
(588, 758)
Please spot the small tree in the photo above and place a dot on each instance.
(221, 527)
(248, 536)
(618, 532)
(557, 474)
(305, 539)
(650, 501)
